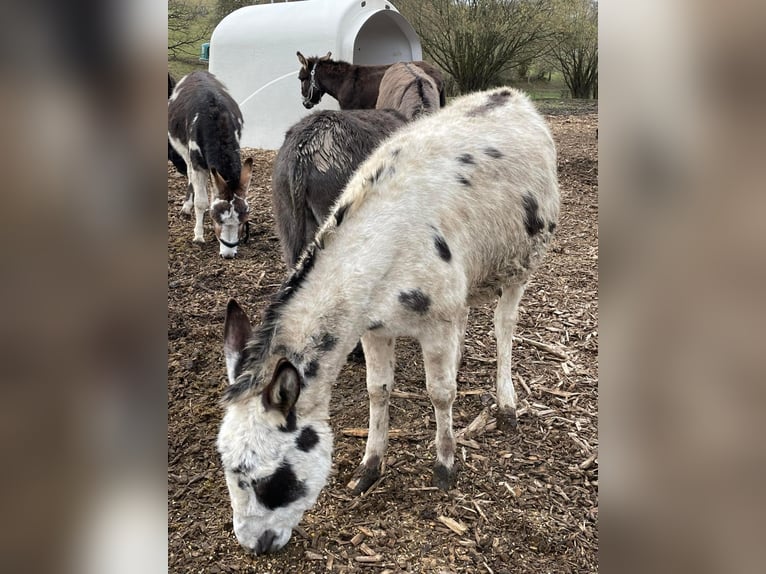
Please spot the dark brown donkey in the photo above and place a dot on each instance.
(355, 87)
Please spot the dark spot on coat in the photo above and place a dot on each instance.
(279, 489)
(395, 153)
(377, 174)
(327, 342)
(466, 158)
(442, 248)
(463, 180)
(290, 423)
(307, 439)
(217, 211)
(415, 300)
(311, 369)
(339, 214)
(532, 220)
(495, 100)
(493, 152)
(551, 227)
(375, 325)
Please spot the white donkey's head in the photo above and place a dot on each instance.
(229, 210)
(275, 463)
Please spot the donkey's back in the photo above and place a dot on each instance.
(316, 160)
(409, 90)
(483, 172)
(205, 117)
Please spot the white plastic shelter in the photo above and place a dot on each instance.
(252, 51)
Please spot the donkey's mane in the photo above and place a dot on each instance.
(332, 63)
(259, 346)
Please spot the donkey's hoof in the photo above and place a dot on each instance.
(186, 210)
(506, 420)
(444, 478)
(364, 477)
(198, 239)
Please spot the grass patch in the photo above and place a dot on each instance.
(179, 68)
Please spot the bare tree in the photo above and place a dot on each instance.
(225, 7)
(188, 25)
(576, 50)
(476, 40)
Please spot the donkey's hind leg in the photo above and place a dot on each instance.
(379, 357)
(441, 354)
(198, 180)
(506, 314)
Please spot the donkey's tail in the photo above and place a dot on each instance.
(296, 236)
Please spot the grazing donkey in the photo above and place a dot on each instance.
(409, 90)
(204, 127)
(355, 87)
(452, 209)
(316, 160)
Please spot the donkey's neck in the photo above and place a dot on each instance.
(320, 328)
(316, 332)
(335, 74)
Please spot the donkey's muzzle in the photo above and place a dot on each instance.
(265, 542)
(308, 104)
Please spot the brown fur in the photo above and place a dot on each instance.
(355, 87)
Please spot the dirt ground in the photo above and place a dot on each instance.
(524, 502)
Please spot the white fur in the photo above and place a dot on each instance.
(229, 229)
(249, 436)
(409, 190)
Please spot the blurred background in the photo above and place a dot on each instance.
(682, 286)
(83, 395)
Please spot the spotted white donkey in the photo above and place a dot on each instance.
(457, 207)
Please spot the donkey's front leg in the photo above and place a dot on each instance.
(186, 208)
(506, 314)
(379, 359)
(198, 179)
(441, 354)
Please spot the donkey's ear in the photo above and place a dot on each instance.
(282, 392)
(236, 328)
(218, 181)
(302, 60)
(236, 334)
(327, 57)
(246, 175)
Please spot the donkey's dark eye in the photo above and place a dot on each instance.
(242, 484)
